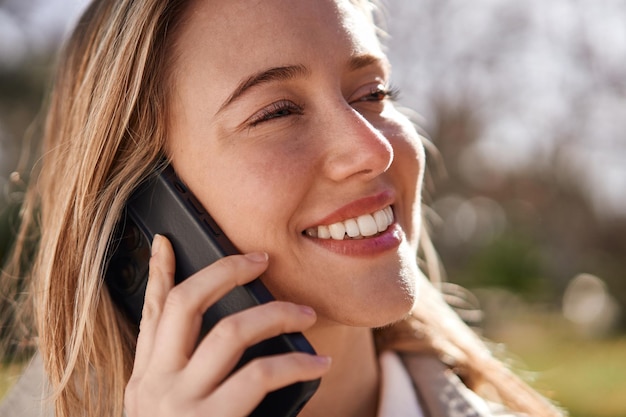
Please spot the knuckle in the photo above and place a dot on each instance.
(158, 267)
(228, 263)
(279, 316)
(130, 395)
(146, 395)
(177, 298)
(151, 310)
(261, 372)
(283, 308)
(131, 388)
(169, 407)
(229, 329)
(154, 268)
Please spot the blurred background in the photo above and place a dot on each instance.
(526, 104)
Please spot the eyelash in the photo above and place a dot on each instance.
(380, 94)
(278, 109)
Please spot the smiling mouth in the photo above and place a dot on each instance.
(367, 225)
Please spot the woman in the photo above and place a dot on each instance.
(280, 120)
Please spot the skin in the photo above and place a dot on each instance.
(314, 144)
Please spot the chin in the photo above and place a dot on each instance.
(388, 310)
(383, 304)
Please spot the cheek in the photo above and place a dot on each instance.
(405, 138)
(406, 142)
(255, 190)
(408, 169)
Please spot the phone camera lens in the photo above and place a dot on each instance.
(131, 238)
(124, 273)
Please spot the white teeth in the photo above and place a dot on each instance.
(356, 228)
(323, 232)
(381, 219)
(352, 228)
(337, 230)
(367, 225)
(387, 210)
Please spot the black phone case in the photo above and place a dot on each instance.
(164, 205)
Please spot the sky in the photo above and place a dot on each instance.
(548, 79)
(37, 24)
(542, 75)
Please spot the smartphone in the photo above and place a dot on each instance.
(164, 205)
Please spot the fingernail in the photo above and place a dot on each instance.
(257, 256)
(307, 310)
(322, 360)
(156, 244)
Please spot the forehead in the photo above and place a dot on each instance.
(223, 35)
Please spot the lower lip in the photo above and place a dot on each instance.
(387, 240)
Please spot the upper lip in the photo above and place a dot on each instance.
(359, 207)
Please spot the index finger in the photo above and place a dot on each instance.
(178, 328)
(160, 282)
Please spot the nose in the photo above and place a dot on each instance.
(355, 147)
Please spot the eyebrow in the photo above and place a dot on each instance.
(293, 71)
(273, 74)
(361, 61)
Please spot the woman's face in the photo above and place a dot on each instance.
(281, 126)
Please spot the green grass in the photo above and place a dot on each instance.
(587, 377)
(8, 376)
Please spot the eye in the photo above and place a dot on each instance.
(276, 110)
(379, 93)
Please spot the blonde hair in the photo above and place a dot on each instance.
(105, 130)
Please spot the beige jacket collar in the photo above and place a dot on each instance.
(442, 394)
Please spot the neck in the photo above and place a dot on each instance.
(351, 387)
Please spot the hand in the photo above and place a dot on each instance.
(170, 378)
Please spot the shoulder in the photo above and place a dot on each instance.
(442, 393)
